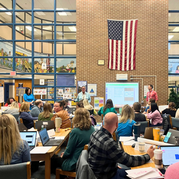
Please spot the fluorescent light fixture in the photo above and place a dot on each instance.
(30, 28)
(8, 13)
(176, 29)
(61, 13)
(72, 28)
(39, 13)
(170, 37)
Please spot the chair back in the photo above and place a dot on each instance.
(143, 125)
(21, 121)
(166, 123)
(83, 168)
(16, 171)
(175, 122)
(16, 117)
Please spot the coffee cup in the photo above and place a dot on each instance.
(156, 134)
(158, 158)
(141, 147)
(58, 123)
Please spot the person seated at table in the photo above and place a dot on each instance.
(9, 101)
(13, 149)
(151, 100)
(170, 110)
(37, 108)
(29, 97)
(79, 137)
(63, 114)
(104, 154)
(28, 120)
(126, 121)
(172, 171)
(109, 107)
(88, 106)
(13, 109)
(138, 115)
(154, 116)
(47, 114)
(66, 107)
(79, 104)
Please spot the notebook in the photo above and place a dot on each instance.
(46, 141)
(170, 155)
(30, 137)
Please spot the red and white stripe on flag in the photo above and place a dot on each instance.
(122, 53)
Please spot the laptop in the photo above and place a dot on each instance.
(46, 141)
(170, 155)
(71, 110)
(47, 124)
(22, 127)
(170, 137)
(30, 137)
(148, 133)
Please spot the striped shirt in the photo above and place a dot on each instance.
(104, 154)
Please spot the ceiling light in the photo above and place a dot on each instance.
(30, 28)
(176, 29)
(170, 37)
(61, 13)
(8, 13)
(72, 28)
(39, 13)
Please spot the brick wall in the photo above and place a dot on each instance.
(152, 41)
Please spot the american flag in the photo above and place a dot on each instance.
(122, 44)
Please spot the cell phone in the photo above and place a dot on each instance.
(167, 137)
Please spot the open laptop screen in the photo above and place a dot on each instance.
(29, 136)
(44, 136)
(170, 155)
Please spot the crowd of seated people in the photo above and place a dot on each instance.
(104, 154)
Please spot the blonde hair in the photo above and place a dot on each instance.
(10, 139)
(82, 119)
(87, 105)
(127, 113)
(14, 104)
(47, 110)
(25, 107)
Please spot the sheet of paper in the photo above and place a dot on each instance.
(129, 142)
(124, 139)
(51, 132)
(60, 138)
(40, 150)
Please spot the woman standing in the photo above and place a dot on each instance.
(13, 149)
(47, 114)
(29, 97)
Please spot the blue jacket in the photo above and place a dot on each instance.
(28, 120)
(80, 97)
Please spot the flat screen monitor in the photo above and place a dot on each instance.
(122, 93)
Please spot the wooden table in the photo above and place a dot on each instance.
(54, 149)
(128, 149)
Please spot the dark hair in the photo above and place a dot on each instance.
(151, 86)
(38, 102)
(172, 106)
(109, 104)
(152, 100)
(26, 91)
(66, 100)
(8, 100)
(154, 107)
(62, 103)
(137, 106)
(47, 110)
(80, 104)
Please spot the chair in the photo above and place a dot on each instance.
(175, 123)
(66, 173)
(143, 125)
(16, 117)
(16, 171)
(83, 169)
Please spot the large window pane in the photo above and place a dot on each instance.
(20, 17)
(23, 65)
(6, 49)
(7, 4)
(66, 17)
(48, 16)
(43, 65)
(173, 18)
(47, 48)
(70, 28)
(21, 49)
(6, 17)
(41, 4)
(173, 49)
(173, 66)
(173, 5)
(66, 5)
(27, 5)
(6, 32)
(69, 49)
(48, 80)
(69, 36)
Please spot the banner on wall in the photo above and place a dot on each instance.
(40, 92)
(98, 102)
(92, 89)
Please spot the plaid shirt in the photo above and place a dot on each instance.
(104, 154)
